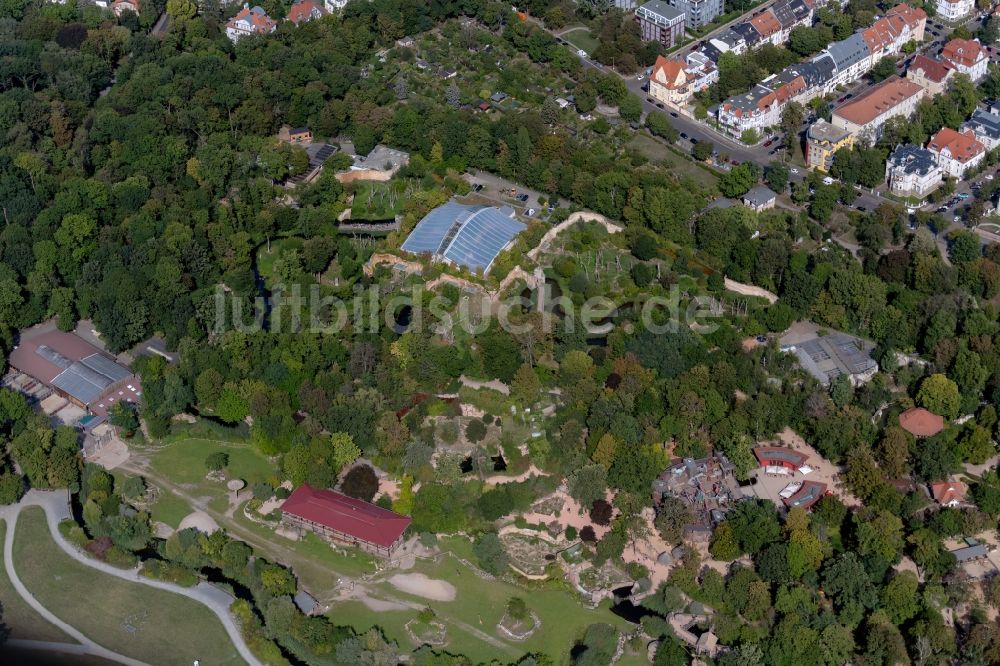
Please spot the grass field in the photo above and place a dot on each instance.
(582, 39)
(22, 620)
(183, 461)
(168, 628)
(481, 605)
(654, 149)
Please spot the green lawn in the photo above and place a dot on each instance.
(183, 462)
(167, 628)
(481, 604)
(170, 509)
(582, 39)
(22, 620)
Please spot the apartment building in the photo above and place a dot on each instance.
(912, 171)
(967, 56)
(659, 22)
(698, 13)
(930, 74)
(823, 140)
(956, 152)
(673, 80)
(864, 116)
(953, 10)
(986, 126)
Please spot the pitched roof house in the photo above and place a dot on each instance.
(930, 73)
(767, 26)
(250, 21)
(305, 10)
(956, 152)
(949, 493)
(967, 56)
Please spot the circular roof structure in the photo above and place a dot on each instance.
(235, 484)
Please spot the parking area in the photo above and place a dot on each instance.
(507, 193)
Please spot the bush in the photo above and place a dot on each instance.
(217, 461)
(282, 493)
(262, 491)
(570, 533)
(587, 534)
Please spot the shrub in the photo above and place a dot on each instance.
(570, 533)
(587, 534)
(217, 461)
(475, 431)
(262, 491)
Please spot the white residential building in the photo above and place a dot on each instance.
(953, 10)
(912, 171)
(250, 21)
(967, 56)
(956, 152)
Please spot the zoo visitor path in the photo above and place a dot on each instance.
(55, 504)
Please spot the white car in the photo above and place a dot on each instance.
(794, 171)
(989, 176)
(581, 53)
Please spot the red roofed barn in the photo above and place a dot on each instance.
(344, 519)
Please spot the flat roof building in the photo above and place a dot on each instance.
(823, 140)
(345, 519)
(464, 235)
(75, 369)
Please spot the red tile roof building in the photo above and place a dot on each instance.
(767, 26)
(967, 56)
(949, 493)
(864, 116)
(931, 74)
(921, 423)
(250, 21)
(344, 519)
(305, 10)
(956, 152)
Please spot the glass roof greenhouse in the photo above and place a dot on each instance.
(464, 235)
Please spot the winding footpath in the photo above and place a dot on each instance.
(56, 507)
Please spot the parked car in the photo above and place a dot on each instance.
(673, 114)
(581, 53)
(989, 176)
(478, 187)
(530, 212)
(659, 105)
(522, 197)
(962, 196)
(683, 135)
(767, 144)
(794, 171)
(862, 209)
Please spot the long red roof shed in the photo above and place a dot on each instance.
(337, 511)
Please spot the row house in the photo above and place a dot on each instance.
(967, 56)
(771, 26)
(659, 22)
(673, 80)
(956, 152)
(250, 21)
(985, 125)
(865, 116)
(761, 107)
(912, 171)
(931, 74)
(842, 62)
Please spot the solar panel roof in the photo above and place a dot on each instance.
(465, 235)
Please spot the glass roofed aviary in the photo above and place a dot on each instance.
(464, 235)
